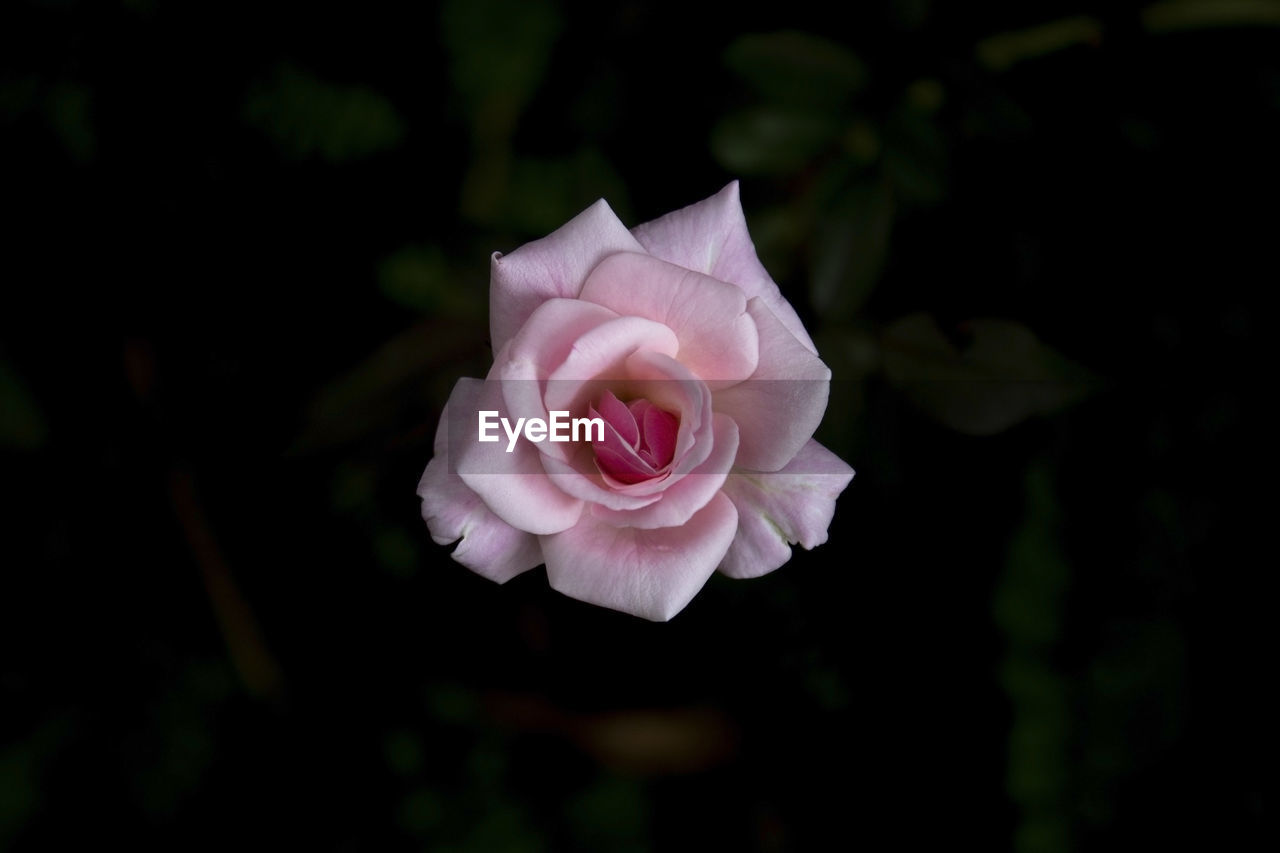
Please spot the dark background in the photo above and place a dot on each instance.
(246, 258)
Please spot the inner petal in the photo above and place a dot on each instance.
(640, 439)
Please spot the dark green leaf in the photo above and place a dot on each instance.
(1001, 377)
(797, 70)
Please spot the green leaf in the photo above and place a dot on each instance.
(797, 69)
(308, 118)
(772, 141)
(849, 250)
(406, 370)
(421, 278)
(21, 424)
(915, 154)
(544, 193)
(1000, 377)
(1005, 50)
(1175, 15)
(499, 52)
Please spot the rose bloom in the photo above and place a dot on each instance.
(709, 388)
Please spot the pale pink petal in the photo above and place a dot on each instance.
(603, 352)
(648, 573)
(553, 266)
(541, 346)
(717, 337)
(513, 485)
(489, 546)
(780, 406)
(622, 466)
(781, 508)
(620, 416)
(690, 493)
(712, 238)
(548, 336)
(578, 475)
(669, 385)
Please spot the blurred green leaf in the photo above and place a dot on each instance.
(772, 140)
(403, 751)
(400, 373)
(611, 814)
(453, 704)
(67, 109)
(178, 741)
(1135, 708)
(21, 424)
(306, 117)
(1000, 377)
(1005, 50)
(1028, 606)
(544, 193)
(499, 52)
(18, 94)
(849, 250)
(396, 551)
(23, 767)
(421, 278)
(798, 70)
(352, 487)
(915, 154)
(1175, 15)
(422, 811)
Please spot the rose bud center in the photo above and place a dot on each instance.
(639, 438)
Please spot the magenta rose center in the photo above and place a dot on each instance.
(639, 438)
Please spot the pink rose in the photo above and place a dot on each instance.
(706, 389)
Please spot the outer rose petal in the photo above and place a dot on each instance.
(514, 485)
(776, 509)
(556, 265)
(648, 573)
(718, 339)
(489, 546)
(780, 406)
(711, 237)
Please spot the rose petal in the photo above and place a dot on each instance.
(556, 265)
(658, 435)
(541, 346)
(578, 475)
(780, 406)
(489, 546)
(648, 573)
(712, 238)
(620, 416)
(513, 485)
(718, 339)
(780, 508)
(618, 459)
(668, 384)
(603, 352)
(688, 494)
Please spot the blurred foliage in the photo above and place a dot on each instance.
(999, 376)
(250, 261)
(21, 424)
(1029, 605)
(306, 117)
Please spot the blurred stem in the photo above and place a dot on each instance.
(255, 665)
